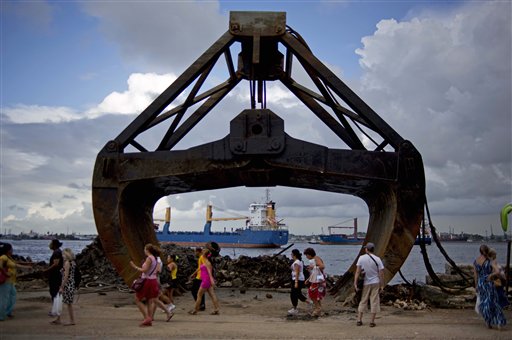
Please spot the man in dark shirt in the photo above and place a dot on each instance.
(54, 270)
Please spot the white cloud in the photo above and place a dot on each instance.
(9, 218)
(444, 82)
(21, 162)
(142, 90)
(23, 114)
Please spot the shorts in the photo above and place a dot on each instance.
(150, 290)
(316, 291)
(370, 292)
(173, 283)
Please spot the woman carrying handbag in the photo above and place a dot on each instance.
(150, 288)
(316, 281)
(67, 288)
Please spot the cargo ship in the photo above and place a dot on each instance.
(341, 238)
(261, 230)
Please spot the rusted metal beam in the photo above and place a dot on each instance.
(325, 117)
(342, 90)
(174, 90)
(197, 99)
(188, 100)
(197, 116)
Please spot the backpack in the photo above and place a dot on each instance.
(78, 276)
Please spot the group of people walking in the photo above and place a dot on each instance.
(315, 281)
(310, 273)
(150, 295)
(61, 281)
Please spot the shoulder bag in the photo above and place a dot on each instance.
(3, 275)
(139, 282)
(362, 274)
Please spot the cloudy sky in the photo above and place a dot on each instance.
(75, 74)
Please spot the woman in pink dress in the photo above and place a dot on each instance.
(207, 284)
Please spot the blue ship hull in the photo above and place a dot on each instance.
(426, 239)
(339, 239)
(240, 238)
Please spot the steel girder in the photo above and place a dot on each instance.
(257, 151)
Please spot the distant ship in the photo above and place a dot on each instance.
(427, 239)
(424, 234)
(261, 230)
(341, 238)
(314, 240)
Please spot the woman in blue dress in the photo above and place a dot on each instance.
(484, 271)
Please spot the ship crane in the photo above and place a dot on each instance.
(209, 214)
(354, 227)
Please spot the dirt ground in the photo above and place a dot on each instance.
(253, 315)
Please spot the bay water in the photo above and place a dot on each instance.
(337, 258)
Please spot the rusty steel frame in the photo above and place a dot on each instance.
(390, 178)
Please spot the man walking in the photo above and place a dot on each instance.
(54, 270)
(373, 269)
(196, 278)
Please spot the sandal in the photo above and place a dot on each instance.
(215, 312)
(55, 322)
(315, 313)
(169, 317)
(146, 322)
(372, 324)
(69, 324)
(192, 312)
(359, 323)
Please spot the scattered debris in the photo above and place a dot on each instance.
(243, 273)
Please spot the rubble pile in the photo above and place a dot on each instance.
(95, 267)
(247, 272)
(452, 278)
(260, 272)
(244, 272)
(408, 305)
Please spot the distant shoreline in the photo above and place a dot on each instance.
(48, 237)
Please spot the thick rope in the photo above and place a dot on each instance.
(463, 275)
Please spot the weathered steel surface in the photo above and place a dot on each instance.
(257, 151)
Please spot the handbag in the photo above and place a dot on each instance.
(316, 275)
(138, 284)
